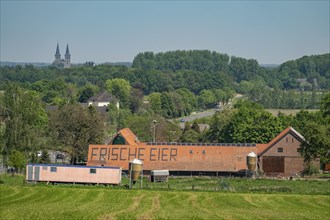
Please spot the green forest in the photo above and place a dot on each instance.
(163, 87)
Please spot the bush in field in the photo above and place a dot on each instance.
(17, 160)
(310, 169)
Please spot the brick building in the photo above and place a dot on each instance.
(280, 157)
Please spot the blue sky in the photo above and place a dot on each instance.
(110, 31)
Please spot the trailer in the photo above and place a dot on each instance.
(159, 175)
(62, 173)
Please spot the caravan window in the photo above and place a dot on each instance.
(53, 169)
(92, 171)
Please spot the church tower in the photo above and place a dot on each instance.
(57, 55)
(66, 62)
(67, 56)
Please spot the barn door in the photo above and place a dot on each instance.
(273, 164)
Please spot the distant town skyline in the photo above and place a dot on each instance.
(271, 32)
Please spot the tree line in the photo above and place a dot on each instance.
(195, 70)
(306, 73)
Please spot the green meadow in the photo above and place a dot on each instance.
(30, 201)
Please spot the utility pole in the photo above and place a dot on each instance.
(154, 130)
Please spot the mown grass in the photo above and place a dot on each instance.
(29, 201)
(24, 202)
(242, 185)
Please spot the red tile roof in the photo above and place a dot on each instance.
(131, 139)
(129, 136)
(261, 147)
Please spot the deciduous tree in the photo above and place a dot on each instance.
(25, 120)
(17, 160)
(120, 88)
(73, 128)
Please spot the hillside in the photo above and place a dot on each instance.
(307, 72)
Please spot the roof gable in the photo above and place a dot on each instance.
(285, 132)
(129, 136)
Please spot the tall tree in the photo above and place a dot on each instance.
(207, 99)
(253, 125)
(87, 92)
(168, 108)
(189, 99)
(315, 127)
(189, 135)
(120, 88)
(74, 128)
(25, 119)
(136, 99)
(155, 102)
(317, 142)
(250, 123)
(17, 160)
(218, 126)
(325, 105)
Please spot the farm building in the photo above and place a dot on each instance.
(280, 157)
(73, 174)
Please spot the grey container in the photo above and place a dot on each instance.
(159, 175)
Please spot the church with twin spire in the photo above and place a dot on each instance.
(66, 62)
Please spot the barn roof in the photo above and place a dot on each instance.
(261, 147)
(131, 139)
(129, 136)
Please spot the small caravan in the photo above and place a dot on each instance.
(60, 173)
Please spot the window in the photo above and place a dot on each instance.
(203, 152)
(280, 150)
(190, 151)
(287, 140)
(298, 149)
(44, 168)
(292, 140)
(53, 169)
(92, 171)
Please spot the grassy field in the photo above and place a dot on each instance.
(288, 111)
(21, 201)
(242, 185)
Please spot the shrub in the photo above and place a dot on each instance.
(310, 169)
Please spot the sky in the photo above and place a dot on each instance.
(271, 32)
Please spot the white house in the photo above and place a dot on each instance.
(102, 99)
